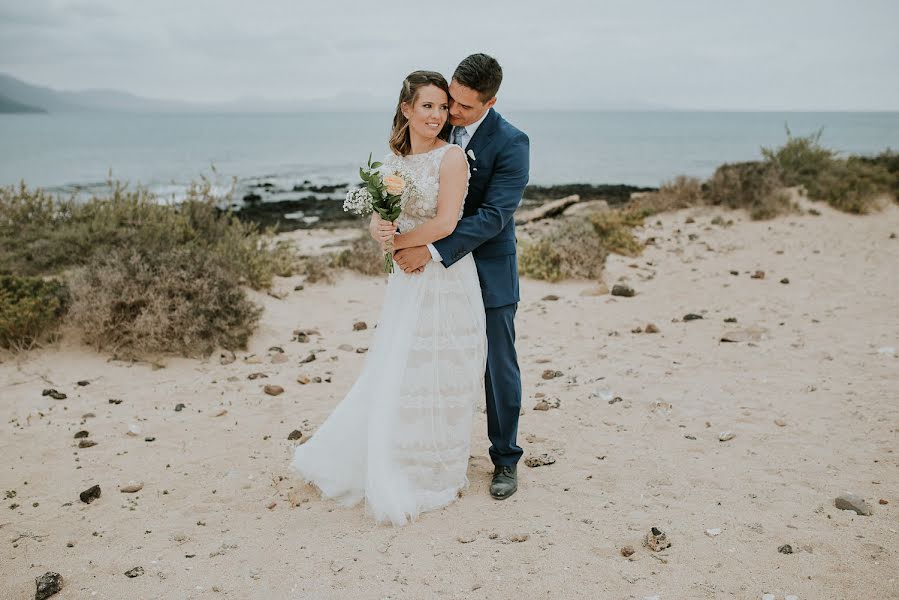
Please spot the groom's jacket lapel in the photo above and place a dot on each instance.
(483, 134)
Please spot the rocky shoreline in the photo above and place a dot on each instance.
(321, 207)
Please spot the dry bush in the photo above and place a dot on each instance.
(184, 300)
(31, 310)
(363, 256)
(855, 186)
(754, 186)
(615, 231)
(681, 192)
(571, 250)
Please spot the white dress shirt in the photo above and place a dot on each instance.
(470, 129)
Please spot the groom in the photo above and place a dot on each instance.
(498, 156)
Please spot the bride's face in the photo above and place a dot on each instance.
(429, 111)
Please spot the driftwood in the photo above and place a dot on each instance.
(550, 209)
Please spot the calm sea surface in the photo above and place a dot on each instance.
(71, 152)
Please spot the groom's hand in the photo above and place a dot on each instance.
(412, 259)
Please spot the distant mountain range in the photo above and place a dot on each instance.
(17, 96)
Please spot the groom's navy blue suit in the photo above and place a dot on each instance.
(499, 174)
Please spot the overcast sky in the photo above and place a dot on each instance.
(724, 54)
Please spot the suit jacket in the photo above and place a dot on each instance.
(499, 174)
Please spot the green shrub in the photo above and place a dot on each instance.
(183, 300)
(31, 309)
(854, 185)
(801, 161)
(41, 236)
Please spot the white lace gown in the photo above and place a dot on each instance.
(401, 437)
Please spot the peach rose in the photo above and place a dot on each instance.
(394, 184)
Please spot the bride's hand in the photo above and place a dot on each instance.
(381, 230)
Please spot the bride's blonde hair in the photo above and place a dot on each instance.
(399, 138)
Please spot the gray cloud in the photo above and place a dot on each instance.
(790, 54)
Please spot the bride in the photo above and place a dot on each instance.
(400, 439)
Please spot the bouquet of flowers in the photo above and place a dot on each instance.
(380, 194)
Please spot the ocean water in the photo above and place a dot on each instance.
(76, 152)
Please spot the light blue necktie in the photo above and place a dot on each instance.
(460, 136)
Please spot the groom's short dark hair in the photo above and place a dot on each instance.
(481, 73)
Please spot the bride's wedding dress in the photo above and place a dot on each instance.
(400, 439)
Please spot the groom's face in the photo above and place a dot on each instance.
(465, 105)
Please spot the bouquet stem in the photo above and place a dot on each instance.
(388, 261)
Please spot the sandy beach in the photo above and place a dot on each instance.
(808, 387)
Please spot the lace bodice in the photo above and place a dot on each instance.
(420, 200)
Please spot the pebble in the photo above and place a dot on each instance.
(253, 376)
(656, 540)
(308, 359)
(226, 358)
(620, 289)
(785, 549)
(551, 374)
(81, 434)
(542, 405)
(713, 532)
(854, 503)
(691, 317)
(83, 382)
(90, 494)
(345, 347)
(86, 443)
(780, 422)
(54, 394)
(725, 436)
(131, 487)
(361, 350)
(550, 298)
(179, 407)
(651, 328)
(785, 280)
(539, 461)
(47, 584)
(303, 379)
(295, 435)
(758, 275)
(273, 390)
(360, 326)
(135, 572)
(627, 551)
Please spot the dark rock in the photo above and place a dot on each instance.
(540, 460)
(253, 376)
(115, 401)
(692, 317)
(361, 350)
(47, 584)
(551, 374)
(360, 326)
(627, 551)
(81, 434)
(149, 438)
(273, 390)
(86, 443)
(84, 382)
(179, 407)
(651, 328)
(295, 435)
(90, 494)
(551, 298)
(730, 320)
(308, 359)
(252, 197)
(54, 394)
(785, 549)
(620, 289)
(785, 280)
(758, 275)
(135, 572)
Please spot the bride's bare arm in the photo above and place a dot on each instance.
(453, 177)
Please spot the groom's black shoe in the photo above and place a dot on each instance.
(505, 482)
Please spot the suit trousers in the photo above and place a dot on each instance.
(503, 386)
